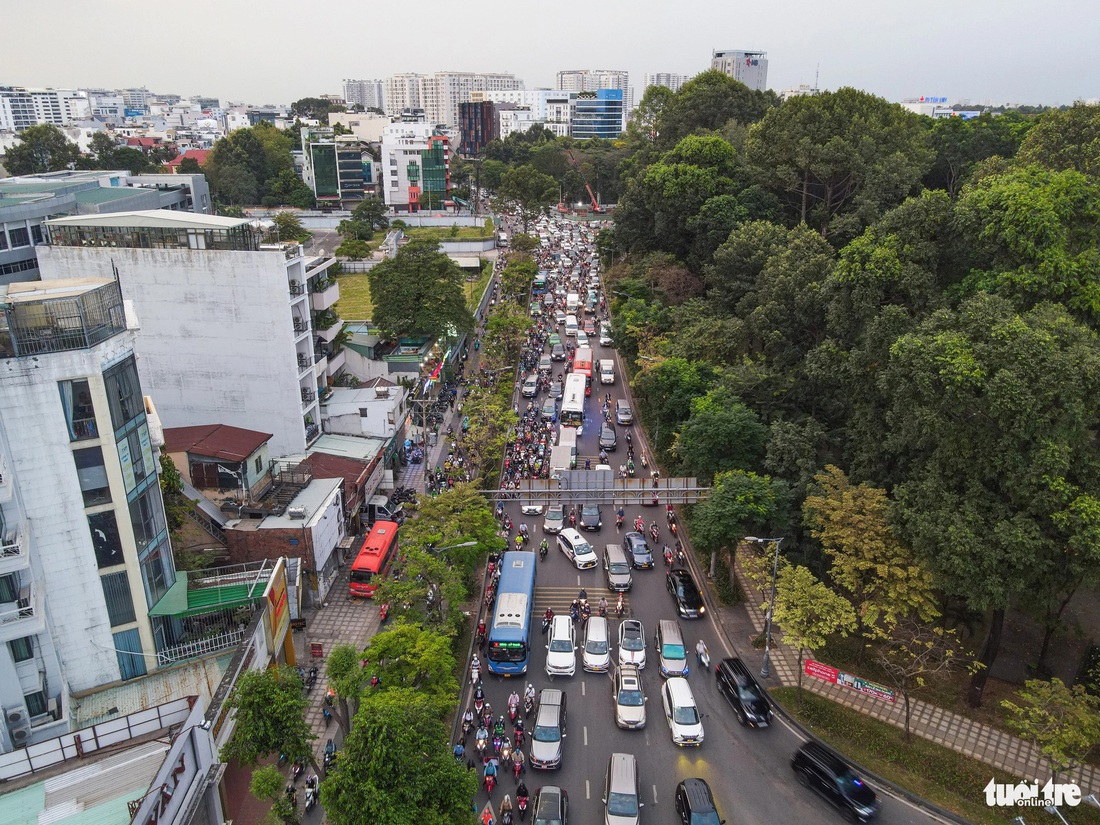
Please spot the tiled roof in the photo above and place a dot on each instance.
(214, 441)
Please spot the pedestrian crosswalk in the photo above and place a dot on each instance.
(558, 599)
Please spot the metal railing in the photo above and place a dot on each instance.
(84, 428)
(304, 361)
(25, 607)
(200, 647)
(296, 288)
(11, 545)
(308, 395)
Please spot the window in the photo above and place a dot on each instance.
(22, 649)
(93, 476)
(3, 239)
(136, 456)
(105, 539)
(116, 593)
(123, 392)
(76, 398)
(36, 233)
(9, 588)
(131, 658)
(19, 237)
(259, 466)
(147, 517)
(157, 572)
(36, 703)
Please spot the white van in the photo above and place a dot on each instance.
(572, 301)
(607, 371)
(561, 646)
(571, 325)
(681, 712)
(597, 646)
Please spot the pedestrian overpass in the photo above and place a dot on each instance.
(604, 487)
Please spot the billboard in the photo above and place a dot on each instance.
(826, 673)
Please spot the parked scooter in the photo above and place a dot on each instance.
(311, 792)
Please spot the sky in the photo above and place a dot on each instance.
(277, 51)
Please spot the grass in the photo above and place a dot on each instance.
(443, 233)
(940, 775)
(355, 303)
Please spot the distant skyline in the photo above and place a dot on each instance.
(996, 50)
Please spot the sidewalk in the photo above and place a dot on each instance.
(974, 739)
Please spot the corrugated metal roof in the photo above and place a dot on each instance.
(152, 218)
(214, 441)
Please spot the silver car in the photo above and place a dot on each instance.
(554, 519)
(548, 733)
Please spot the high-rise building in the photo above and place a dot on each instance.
(597, 114)
(335, 167)
(478, 124)
(365, 93)
(439, 94)
(21, 108)
(137, 99)
(751, 68)
(233, 330)
(591, 80)
(86, 557)
(667, 79)
(415, 166)
(402, 91)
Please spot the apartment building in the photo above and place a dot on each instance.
(366, 93)
(669, 80)
(439, 94)
(751, 68)
(415, 166)
(335, 167)
(402, 91)
(21, 108)
(233, 331)
(598, 114)
(592, 80)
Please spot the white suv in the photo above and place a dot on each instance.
(561, 648)
(681, 712)
(577, 549)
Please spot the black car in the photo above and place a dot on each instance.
(819, 768)
(695, 803)
(590, 517)
(635, 544)
(739, 687)
(551, 806)
(689, 601)
(608, 440)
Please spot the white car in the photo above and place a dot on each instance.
(561, 647)
(681, 712)
(629, 698)
(582, 338)
(605, 336)
(597, 646)
(632, 643)
(530, 508)
(577, 549)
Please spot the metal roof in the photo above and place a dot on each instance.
(220, 441)
(152, 219)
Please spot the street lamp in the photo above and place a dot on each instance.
(765, 671)
(452, 547)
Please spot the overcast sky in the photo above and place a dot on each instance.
(277, 51)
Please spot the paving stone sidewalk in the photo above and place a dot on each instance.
(979, 741)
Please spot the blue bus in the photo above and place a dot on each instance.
(509, 647)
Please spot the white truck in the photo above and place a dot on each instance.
(607, 371)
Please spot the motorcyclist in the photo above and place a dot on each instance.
(620, 605)
(602, 606)
(544, 548)
(499, 729)
(700, 650)
(481, 738)
(459, 752)
(523, 529)
(513, 701)
(639, 524)
(518, 760)
(521, 788)
(491, 769)
(582, 596)
(529, 692)
(468, 719)
(479, 693)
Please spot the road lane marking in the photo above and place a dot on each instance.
(586, 736)
(587, 790)
(654, 794)
(582, 687)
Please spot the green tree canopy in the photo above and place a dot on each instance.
(708, 102)
(315, 108)
(42, 148)
(288, 189)
(269, 713)
(1063, 722)
(1066, 139)
(419, 291)
(839, 159)
(396, 767)
(961, 144)
(721, 434)
(738, 502)
(527, 192)
(664, 391)
(407, 656)
(243, 165)
(809, 612)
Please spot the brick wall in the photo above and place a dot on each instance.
(256, 545)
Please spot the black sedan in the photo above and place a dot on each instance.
(551, 806)
(590, 517)
(638, 549)
(689, 601)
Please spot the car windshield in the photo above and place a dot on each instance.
(561, 646)
(583, 549)
(622, 804)
(555, 514)
(619, 567)
(590, 512)
(748, 693)
(547, 733)
(673, 651)
(596, 648)
(631, 698)
(685, 715)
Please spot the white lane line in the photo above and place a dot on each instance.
(583, 687)
(654, 794)
(587, 790)
(586, 736)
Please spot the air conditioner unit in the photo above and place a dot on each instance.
(19, 736)
(296, 512)
(16, 716)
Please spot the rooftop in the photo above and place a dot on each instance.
(363, 448)
(312, 498)
(214, 441)
(152, 219)
(33, 291)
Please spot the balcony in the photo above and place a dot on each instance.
(327, 335)
(304, 362)
(326, 293)
(296, 289)
(301, 327)
(13, 551)
(23, 617)
(308, 396)
(320, 366)
(336, 363)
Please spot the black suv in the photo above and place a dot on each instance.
(590, 517)
(740, 688)
(689, 601)
(819, 768)
(695, 803)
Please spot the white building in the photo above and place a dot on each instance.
(415, 162)
(366, 126)
(751, 68)
(801, 90)
(85, 554)
(21, 108)
(669, 80)
(592, 80)
(365, 93)
(402, 91)
(233, 331)
(375, 409)
(439, 94)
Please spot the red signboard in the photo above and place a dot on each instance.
(821, 671)
(837, 677)
(316, 650)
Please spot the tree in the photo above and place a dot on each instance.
(491, 420)
(269, 711)
(721, 434)
(189, 166)
(809, 612)
(242, 165)
(961, 144)
(522, 242)
(1063, 722)
(738, 502)
(396, 767)
(42, 148)
(516, 279)
(419, 291)
(407, 656)
(664, 391)
(348, 677)
(527, 192)
(708, 102)
(992, 414)
(911, 652)
(839, 159)
(288, 189)
(367, 216)
(878, 572)
(1066, 139)
(267, 785)
(353, 249)
(288, 227)
(315, 108)
(505, 334)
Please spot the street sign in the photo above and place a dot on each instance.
(316, 650)
(826, 673)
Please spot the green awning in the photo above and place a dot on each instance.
(181, 601)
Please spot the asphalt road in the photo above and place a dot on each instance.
(747, 769)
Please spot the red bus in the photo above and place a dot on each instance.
(582, 365)
(374, 559)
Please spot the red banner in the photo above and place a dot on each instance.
(820, 670)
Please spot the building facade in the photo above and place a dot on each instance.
(415, 166)
(598, 114)
(592, 80)
(478, 124)
(402, 91)
(751, 68)
(21, 108)
(335, 167)
(86, 555)
(234, 331)
(365, 93)
(669, 80)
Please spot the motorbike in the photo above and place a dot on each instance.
(528, 706)
(490, 783)
(521, 805)
(546, 623)
(330, 697)
(639, 525)
(668, 556)
(311, 792)
(704, 655)
(311, 679)
(655, 532)
(603, 610)
(330, 754)
(467, 726)
(542, 552)
(498, 742)
(513, 712)
(475, 671)
(327, 714)
(384, 611)
(479, 705)
(296, 771)
(517, 736)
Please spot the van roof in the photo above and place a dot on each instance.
(623, 771)
(680, 691)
